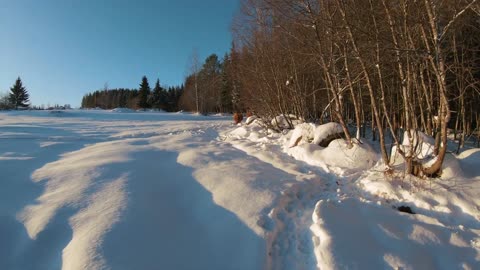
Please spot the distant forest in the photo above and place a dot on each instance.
(143, 98)
(210, 88)
(213, 86)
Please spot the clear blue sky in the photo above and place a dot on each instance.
(63, 49)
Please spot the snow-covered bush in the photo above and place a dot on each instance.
(324, 134)
(423, 146)
(250, 119)
(303, 133)
(422, 143)
(337, 154)
(239, 133)
(255, 132)
(282, 121)
(122, 110)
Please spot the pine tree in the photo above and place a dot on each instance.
(232, 73)
(143, 93)
(210, 82)
(19, 96)
(158, 96)
(226, 90)
(122, 103)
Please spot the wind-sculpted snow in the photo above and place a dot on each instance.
(90, 225)
(68, 180)
(151, 190)
(81, 192)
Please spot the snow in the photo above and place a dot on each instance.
(338, 156)
(395, 240)
(239, 132)
(470, 161)
(303, 133)
(281, 121)
(324, 131)
(122, 110)
(113, 193)
(444, 229)
(423, 145)
(354, 223)
(250, 119)
(99, 189)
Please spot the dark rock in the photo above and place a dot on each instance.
(405, 209)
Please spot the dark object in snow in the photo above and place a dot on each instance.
(325, 142)
(405, 209)
(237, 118)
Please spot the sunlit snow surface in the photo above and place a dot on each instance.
(96, 190)
(150, 190)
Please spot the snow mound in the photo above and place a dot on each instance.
(465, 164)
(122, 110)
(253, 132)
(281, 121)
(239, 133)
(469, 162)
(222, 114)
(324, 131)
(303, 133)
(422, 143)
(451, 168)
(250, 119)
(337, 154)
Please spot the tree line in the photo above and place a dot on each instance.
(212, 86)
(397, 66)
(144, 97)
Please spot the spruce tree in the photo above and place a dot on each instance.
(122, 103)
(158, 100)
(226, 90)
(19, 96)
(143, 93)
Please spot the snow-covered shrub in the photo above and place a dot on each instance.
(324, 134)
(303, 133)
(239, 133)
(337, 154)
(423, 145)
(255, 132)
(250, 119)
(122, 110)
(282, 121)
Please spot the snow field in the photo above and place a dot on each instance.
(152, 190)
(99, 190)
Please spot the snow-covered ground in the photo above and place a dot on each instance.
(150, 190)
